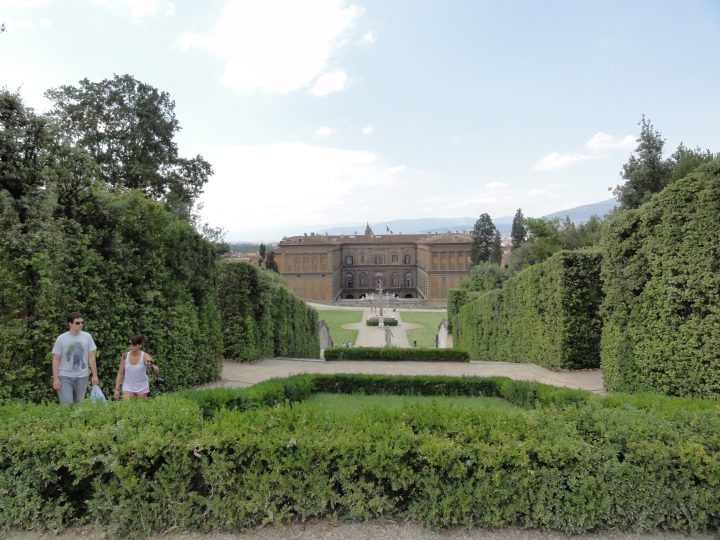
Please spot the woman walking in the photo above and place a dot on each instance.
(132, 373)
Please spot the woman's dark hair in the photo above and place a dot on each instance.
(137, 339)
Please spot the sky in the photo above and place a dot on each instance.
(316, 113)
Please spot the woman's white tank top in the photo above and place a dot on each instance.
(136, 379)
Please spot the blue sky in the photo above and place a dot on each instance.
(321, 112)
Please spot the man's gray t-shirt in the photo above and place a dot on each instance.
(73, 352)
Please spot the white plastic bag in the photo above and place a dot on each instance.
(96, 395)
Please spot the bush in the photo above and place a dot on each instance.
(564, 459)
(661, 276)
(396, 354)
(375, 321)
(546, 314)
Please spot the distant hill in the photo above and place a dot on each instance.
(579, 214)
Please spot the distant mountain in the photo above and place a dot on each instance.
(579, 214)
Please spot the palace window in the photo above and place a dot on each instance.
(394, 280)
(362, 279)
(348, 259)
(377, 259)
(407, 259)
(408, 279)
(394, 258)
(349, 281)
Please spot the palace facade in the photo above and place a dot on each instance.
(328, 268)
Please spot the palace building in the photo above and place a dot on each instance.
(328, 268)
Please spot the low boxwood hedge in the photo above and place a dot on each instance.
(234, 458)
(396, 354)
(375, 321)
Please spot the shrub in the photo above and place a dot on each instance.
(546, 314)
(375, 321)
(661, 276)
(396, 354)
(565, 459)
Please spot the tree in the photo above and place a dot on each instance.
(686, 160)
(261, 255)
(646, 172)
(128, 127)
(486, 241)
(270, 263)
(518, 233)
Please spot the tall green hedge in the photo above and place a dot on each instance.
(546, 314)
(261, 318)
(130, 267)
(661, 274)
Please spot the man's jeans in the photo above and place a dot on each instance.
(72, 389)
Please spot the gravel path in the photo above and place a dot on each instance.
(323, 529)
(238, 374)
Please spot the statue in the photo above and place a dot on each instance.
(388, 336)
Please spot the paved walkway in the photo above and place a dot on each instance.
(238, 374)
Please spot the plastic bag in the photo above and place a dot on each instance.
(96, 395)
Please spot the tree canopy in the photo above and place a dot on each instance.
(486, 241)
(128, 127)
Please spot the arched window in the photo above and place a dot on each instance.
(408, 279)
(349, 280)
(362, 279)
(393, 280)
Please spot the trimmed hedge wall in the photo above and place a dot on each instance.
(565, 459)
(661, 277)
(396, 354)
(262, 318)
(546, 314)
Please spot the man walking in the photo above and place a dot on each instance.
(72, 353)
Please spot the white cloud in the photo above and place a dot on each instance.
(321, 184)
(138, 8)
(555, 161)
(603, 142)
(329, 82)
(496, 185)
(275, 46)
(324, 131)
(599, 146)
(27, 4)
(368, 130)
(45, 22)
(31, 83)
(368, 38)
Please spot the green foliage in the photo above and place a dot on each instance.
(686, 160)
(486, 241)
(261, 318)
(546, 314)
(396, 354)
(121, 259)
(375, 321)
(661, 271)
(232, 459)
(518, 232)
(548, 236)
(646, 172)
(136, 147)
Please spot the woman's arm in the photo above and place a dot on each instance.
(120, 377)
(149, 362)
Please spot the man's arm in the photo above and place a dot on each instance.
(93, 367)
(55, 368)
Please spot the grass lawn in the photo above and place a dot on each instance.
(350, 403)
(430, 320)
(335, 318)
